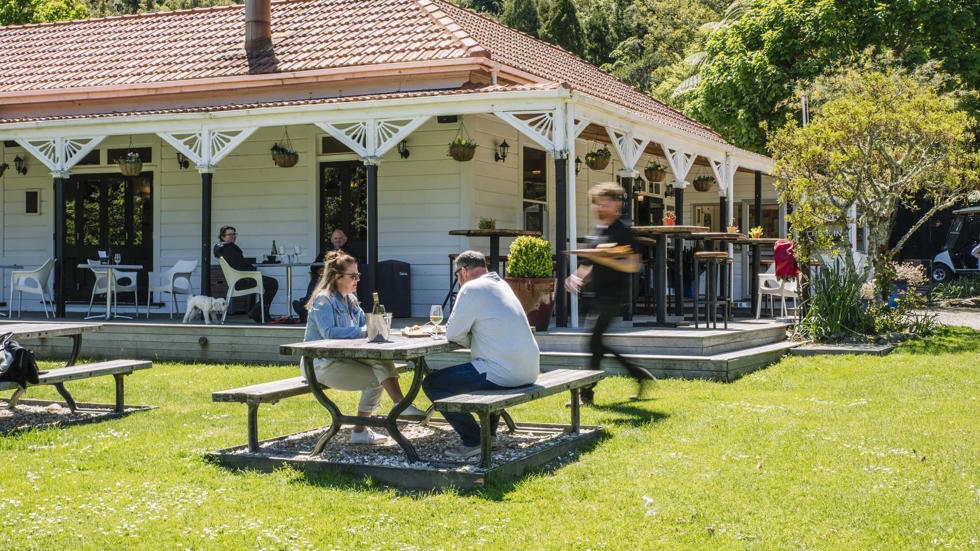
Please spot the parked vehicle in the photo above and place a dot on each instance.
(955, 258)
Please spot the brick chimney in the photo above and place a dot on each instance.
(258, 25)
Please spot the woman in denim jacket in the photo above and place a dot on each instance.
(335, 314)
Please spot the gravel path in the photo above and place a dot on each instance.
(958, 316)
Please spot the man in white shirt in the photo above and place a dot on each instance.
(487, 318)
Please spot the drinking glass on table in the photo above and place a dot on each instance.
(117, 258)
(435, 316)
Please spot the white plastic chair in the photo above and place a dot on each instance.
(176, 281)
(122, 282)
(33, 282)
(772, 287)
(232, 277)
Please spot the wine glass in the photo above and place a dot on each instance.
(117, 258)
(435, 316)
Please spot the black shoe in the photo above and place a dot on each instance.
(255, 314)
(299, 308)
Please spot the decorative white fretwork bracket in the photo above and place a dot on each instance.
(540, 127)
(629, 148)
(372, 138)
(206, 147)
(60, 154)
(680, 164)
(725, 174)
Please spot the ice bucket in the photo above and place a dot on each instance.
(378, 327)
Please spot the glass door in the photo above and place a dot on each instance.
(343, 204)
(106, 212)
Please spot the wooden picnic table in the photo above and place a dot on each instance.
(397, 348)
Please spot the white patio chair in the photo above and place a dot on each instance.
(772, 287)
(33, 282)
(232, 277)
(176, 281)
(122, 282)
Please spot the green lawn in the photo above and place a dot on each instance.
(826, 452)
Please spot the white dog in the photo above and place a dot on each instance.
(210, 308)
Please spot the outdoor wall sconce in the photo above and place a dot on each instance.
(20, 165)
(3, 168)
(500, 151)
(403, 149)
(182, 161)
(578, 165)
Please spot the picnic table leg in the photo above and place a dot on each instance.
(253, 427)
(76, 347)
(575, 410)
(485, 436)
(335, 415)
(391, 422)
(511, 426)
(66, 395)
(120, 395)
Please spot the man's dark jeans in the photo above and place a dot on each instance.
(454, 380)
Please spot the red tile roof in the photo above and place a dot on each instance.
(308, 35)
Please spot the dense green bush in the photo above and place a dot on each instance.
(834, 310)
(961, 287)
(529, 257)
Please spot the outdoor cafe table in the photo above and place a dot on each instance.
(660, 234)
(289, 279)
(494, 234)
(27, 331)
(110, 283)
(397, 348)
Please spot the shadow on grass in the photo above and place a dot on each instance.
(945, 340)
(629, 414)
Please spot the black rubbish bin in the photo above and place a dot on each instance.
(395, 287)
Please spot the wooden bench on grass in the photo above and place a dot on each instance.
(268, 393)
(59, 376)
(485, 403)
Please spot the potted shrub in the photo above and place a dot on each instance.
(755, 232)
(487, 223)
(598, 159)
(703, 183)
(655, 172)
(284, 155)
(462, 149)
(530, 273)
(130, 165)
(669, 217)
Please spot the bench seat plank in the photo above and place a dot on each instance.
(490, 401)
(262, 393)
(59, 376)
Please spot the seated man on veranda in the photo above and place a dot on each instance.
(487, 318)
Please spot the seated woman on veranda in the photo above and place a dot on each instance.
(334, 314)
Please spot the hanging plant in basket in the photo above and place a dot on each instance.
(598, 159)
(462, 149)
(655, 172)
(703, 183)
(130, 165)
(283, 153)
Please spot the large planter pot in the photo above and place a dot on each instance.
(537, 296)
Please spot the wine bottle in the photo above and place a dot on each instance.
(378, 308)
(273, 255)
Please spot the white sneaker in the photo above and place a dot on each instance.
(367, 436)
(412, 413)
(463, 452)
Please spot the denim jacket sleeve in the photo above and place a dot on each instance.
(332, 318)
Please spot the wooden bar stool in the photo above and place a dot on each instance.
(713, 261)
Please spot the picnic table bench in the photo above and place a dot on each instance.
(485, 403)
(268, 393)
(58, 377)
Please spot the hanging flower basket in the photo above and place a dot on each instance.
(703, 183)
(655, 172)
(284, 156)
(598, 159)
(130, 165)
(462, 149)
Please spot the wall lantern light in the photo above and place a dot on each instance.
(500, 152)
(403, 149)
(578, 165)
(182, 161)
(20, 165)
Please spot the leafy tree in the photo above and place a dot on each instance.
(22, 12)
(880, 136)
(487, 6)
(521, 15)
(561, 26)
(599, 39)
(754, 64)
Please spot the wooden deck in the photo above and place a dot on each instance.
(716, 354)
